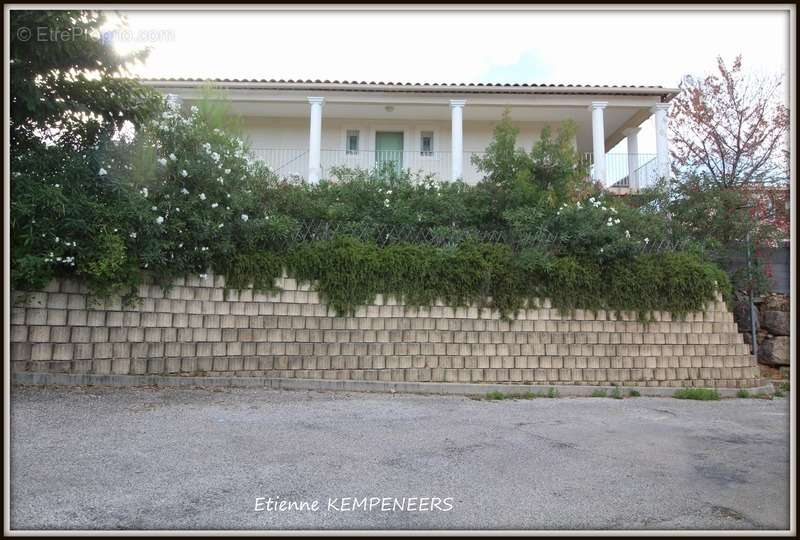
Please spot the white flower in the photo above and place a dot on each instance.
(132, 235)
(386, 202)
(220, 225)
(389, 192)
(627, 234)
(159, 220)
(215, 156)
(220, 180)
(162, 161)
(202, 196)
(245, 217)
(214, 205)
(194, 109)
(102, 172)
(227, 171)
(180, 245)
(591, 199)
(58, 185)
(602, 250)
(616, 221)
(172, 157)
(204, 276)
(177, 209)
(646, 240)
(184, 173)
(144, 192)
(184, 191)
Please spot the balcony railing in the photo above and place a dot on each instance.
(617, 173)
(294, 161)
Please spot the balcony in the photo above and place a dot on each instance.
(293, 162)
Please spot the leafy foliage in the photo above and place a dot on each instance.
(67, 85)
(731, 127)
(180, 196)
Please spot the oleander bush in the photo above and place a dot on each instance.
(169, 191)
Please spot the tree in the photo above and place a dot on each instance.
(731, 127)
(70, 96)
(68, 85)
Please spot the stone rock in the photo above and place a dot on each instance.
(775, 302)
(775, 322)
(774, 351)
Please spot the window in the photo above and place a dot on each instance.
(352, 141)
(426, 143)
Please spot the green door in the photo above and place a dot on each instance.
(389, 149)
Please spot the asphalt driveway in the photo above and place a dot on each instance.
(193, 458)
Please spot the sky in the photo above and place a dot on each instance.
(569, 47)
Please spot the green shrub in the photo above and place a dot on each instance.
(616, 393)
(181, 197)
(701, 394)
(600, 392)
(634, 393)
(742, 393)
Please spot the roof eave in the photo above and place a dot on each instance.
(666, 94)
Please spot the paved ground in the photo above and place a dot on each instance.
(144, 458)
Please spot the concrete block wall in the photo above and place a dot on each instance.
(194, 329)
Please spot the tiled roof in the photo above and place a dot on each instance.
(467, 87)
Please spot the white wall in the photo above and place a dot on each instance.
(285, 139)
(293, 132)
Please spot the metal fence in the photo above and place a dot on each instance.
(385, 234)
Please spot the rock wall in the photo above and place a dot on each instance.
(772, 327)
(194, 329)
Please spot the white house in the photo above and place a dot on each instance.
(306, 127)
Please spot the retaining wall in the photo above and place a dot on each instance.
(194, 330)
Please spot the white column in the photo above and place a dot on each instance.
(457, 137)
(662, 140)
(315, 140)
(633, 155)
(598, 141)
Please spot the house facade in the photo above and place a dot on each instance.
(305, 128)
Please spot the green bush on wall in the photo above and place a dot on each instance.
(349, 273)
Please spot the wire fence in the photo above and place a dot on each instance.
(388, 234)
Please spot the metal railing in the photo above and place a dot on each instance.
(283, 161)
(617, 170)
(294, 161)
